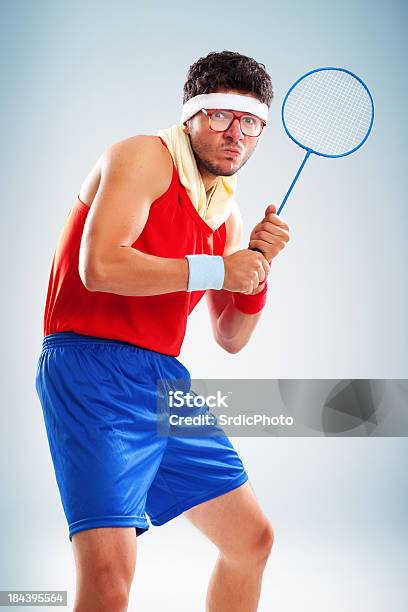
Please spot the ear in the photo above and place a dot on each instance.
(186, 127)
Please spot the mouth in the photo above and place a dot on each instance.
(231, 152)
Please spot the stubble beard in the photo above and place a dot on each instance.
(201, 154)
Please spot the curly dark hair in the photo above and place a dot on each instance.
(228, 69)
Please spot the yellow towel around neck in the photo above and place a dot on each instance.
(217, 207)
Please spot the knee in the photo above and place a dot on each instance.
(113, 591)
(253, 546)
(107, 590)
(263, 541)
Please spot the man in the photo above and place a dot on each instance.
(154, 228)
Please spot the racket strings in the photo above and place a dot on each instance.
(328, 117)
(328, 120)
(328, 112)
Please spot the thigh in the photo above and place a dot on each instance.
(105, 560)
(109, 549)
(233, 521)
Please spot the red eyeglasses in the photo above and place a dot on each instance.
(221, 120)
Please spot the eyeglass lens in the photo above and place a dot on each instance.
(221, 120)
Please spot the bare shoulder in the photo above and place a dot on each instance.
(138, 156)
(235, 231)
(139, 143)
(141, 153)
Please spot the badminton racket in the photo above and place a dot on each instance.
(328, 112)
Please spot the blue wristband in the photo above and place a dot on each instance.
(205, 272)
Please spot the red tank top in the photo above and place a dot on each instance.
(157, 322)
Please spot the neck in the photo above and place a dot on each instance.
(209, 189)
(209, 179)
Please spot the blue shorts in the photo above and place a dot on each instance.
(99, 402)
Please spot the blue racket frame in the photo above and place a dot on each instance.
(308, 149)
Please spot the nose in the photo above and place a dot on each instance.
(234, 130)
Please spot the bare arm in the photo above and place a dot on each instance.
(134, 173)
(232, 329)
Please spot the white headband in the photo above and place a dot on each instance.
(225, 101)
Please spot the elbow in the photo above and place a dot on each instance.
(232, 349)
(91, 277)
(230, 346)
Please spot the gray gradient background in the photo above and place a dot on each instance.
(78, 76)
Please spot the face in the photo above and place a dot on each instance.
(210, 148)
